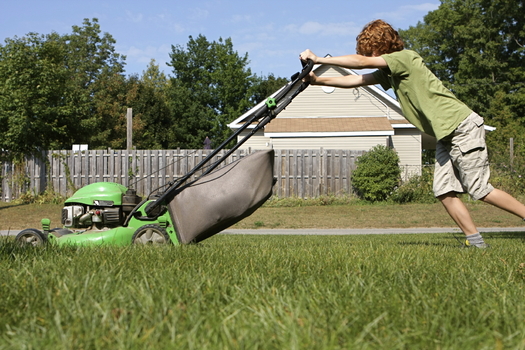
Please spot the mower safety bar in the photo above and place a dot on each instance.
(264, 115)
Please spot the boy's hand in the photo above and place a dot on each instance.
(309, 55)
(306, 55)
(310, 78)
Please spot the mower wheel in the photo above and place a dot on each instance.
(31, 236)
(150, 234)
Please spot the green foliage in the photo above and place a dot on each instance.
(262, 292)
(418, 189)
(209, 89)
(154, 126)
(58, 90)
(377, 173)
(476, 47)
(263, 87)
(32, 79)
(290, 202)
(55, 90)
(98, 89)
(507, 173)
(46, 197)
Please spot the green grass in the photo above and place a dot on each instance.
(302, 214)
(267, 292)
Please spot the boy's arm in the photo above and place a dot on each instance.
(348, 81)
(348, 61)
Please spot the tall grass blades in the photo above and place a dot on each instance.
(267, 292)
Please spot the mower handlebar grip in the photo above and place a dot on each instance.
(308, 65)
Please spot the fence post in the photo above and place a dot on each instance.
(129, 129)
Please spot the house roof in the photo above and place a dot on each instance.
(334, 125)
(328, 124)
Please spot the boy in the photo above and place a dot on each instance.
(461, 155)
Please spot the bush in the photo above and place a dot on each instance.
(323, 200)
(416, 190)
(46, 197)
(377, 173)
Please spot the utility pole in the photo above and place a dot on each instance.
(129, 129)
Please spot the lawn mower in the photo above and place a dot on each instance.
(194, 207)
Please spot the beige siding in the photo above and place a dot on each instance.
(341, 102)
(407, 143)
(363, 143)
(360, 102)
(257, 141)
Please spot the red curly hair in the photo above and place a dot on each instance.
(378, 38)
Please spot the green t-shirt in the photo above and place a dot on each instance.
(425, 102)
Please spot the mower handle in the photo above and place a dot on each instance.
(308, 65)
(265, 113)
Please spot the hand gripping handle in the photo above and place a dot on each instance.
(308, 65)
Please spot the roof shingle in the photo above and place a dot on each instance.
(328, 124)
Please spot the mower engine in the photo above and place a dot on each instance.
(80, 216)
(99, 206)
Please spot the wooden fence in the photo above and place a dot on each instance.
(301, 173)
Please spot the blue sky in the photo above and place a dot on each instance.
(272, 33)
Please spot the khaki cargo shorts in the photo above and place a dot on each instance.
(462, 163)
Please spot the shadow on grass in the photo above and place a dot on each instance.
(460, 239)
(12, 206)
(505, 235)
(429, 244)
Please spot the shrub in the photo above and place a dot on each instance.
(377, 173)
(417, 190)
(46, 197)
(323, 200)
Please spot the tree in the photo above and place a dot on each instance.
(97, 88)
(108, 119)
(59, 90)
(54, 88)
(209, 88)
(476, 48)
(32, 81)
(155, 125)
(263, 87)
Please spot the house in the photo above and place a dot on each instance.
(333, 118)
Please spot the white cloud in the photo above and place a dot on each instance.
(178, 27)
(310, 28)
(135, 18)
(328, 29)
(138, 58)
(426, 7)
(405, 12)
(199, 14)
(241, 18)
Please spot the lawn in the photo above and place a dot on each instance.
(271, 292)
(267, 292)
(271, 215)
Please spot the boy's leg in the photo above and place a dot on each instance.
(446, 186)
(469, 155)
(505, 201)
(451, 171)
(461, 216)
(458, 212)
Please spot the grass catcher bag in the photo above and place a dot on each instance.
(222, 198)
